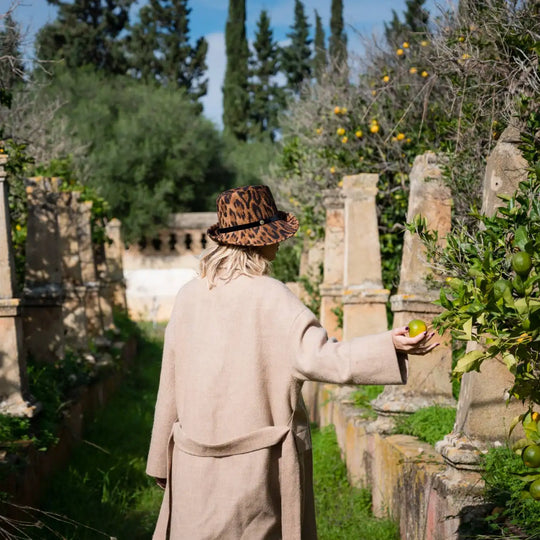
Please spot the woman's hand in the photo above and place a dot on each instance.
(161, 482)
(418, 345)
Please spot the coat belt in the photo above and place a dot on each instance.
(289, 468)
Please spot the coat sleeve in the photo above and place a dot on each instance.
(364, 360)
(165, 412)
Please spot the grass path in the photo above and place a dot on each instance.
(105, 493)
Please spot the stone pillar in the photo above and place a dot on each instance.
(13, 377)
(73, 308)
(94, 322)
(483, 415)
(364, 297)
(114, 253)
(429, 376)
(331, 288)
(42, 304)
(312, 258)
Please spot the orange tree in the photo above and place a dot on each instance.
(446, 90)
(492, 290)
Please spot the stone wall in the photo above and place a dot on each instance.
(65, 302)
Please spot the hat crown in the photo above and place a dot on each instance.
(239, 206)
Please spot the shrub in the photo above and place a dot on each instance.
(430, 424)
(503, 475)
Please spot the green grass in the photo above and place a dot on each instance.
(430, 424)
(343, 512)
(105, 492)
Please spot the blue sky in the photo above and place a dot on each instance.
(208, 18)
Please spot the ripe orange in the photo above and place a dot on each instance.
(416, 326)
(534, 489)
(522, 263)
(535, 416)
(531, 456)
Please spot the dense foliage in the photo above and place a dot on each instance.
(147, 151)
(505, 476)
(86, 32)
(159, 48)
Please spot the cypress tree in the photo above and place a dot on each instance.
(338, 39)
(416, 17)
(235, 85)
(320, 61)
(86, 32)
(160, 49)
(143, 43)
(296, 58)
(414, 26)
(266, 97)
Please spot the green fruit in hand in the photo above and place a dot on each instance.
(416, 326)
(522, 263)
(534, 490)
(499, 287)
(531, 456)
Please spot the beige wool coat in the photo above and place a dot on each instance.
(231, 433)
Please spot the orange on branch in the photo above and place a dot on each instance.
(531, 456)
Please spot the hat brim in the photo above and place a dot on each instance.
(261, 235)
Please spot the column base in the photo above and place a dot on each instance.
(463, 453)
(395, 401)
(15, 405)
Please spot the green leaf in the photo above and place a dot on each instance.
(470, 361)
(509, 360)
(444, 302)
(521, 237)
(467, 329)
(527, 477)
(521, 443)
(515, 421)
(521, 306)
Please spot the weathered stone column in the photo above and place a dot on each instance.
(13, 377)
(429, 376)
(113, 258)
(483, 415)
(331, 288)
(94, 322)
(73, 308)
(364, 297)
(42, 306)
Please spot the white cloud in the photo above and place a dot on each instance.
(216, 61)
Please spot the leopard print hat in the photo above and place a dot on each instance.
(248, 216)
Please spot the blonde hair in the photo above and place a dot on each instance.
(227, 262)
